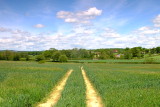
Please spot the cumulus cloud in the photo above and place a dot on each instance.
(83, 30)
(82, 17)
(39, 26)
(110, 33)
(2, 29)
(148, 30)
(90, 37)
(156, 21)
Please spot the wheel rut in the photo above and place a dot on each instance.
(56, 92)
(92, 97)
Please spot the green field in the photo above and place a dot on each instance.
(24, 84)
(108, 61)
(124, 85)
(74, 92)
(119, 61)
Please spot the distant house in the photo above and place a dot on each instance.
(118, 55)
(115, 51)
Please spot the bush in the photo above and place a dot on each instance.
(56, 56)
(42, 61)
(63, 58)
(39, 58)
(22, 59)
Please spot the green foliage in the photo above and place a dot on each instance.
(39, 57)
(13, 55)
(42, 61)
(63, 58)
(22, 59)
(16, 57)
(128, 54)
(103, 55)
(56, 56)
(48, 53)
(137, 52)
(75, 53)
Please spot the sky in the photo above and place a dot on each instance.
(33, 25)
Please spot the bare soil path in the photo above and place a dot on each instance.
(56, 93)
(93, 99)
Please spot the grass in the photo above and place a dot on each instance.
(156, 57)
(22, 84)
(118, 61)
(109, 61)
(125, 85)
(74, 91)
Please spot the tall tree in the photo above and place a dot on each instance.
(56, 56)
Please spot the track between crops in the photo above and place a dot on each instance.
(92, 97)
(56, 93)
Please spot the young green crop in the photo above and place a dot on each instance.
(23, 84)
(73, 94)
(126, 85)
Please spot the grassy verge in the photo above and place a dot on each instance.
(125, 85)
(22, 84)
(115, 61)
(73, 94)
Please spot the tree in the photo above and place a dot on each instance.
(137, 52)
(68, 53)
(16, 57)
(8, 55)
(153, 50)
(56, 56)
(127, 54)
(103, 55)
(63, 58)
(48, 53)
(40, 58)
(158, 50)
(1, 56)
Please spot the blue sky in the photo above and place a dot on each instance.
(90, 24)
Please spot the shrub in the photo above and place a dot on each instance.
(56, 56)
(22, 59)
(39, 58)
(42, 61)
(63, 58)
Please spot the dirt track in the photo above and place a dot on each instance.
(56, 93)
(93, 100)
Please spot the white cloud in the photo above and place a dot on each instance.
(110, 33)
(83, 30)
(82, 17)
(143, 28)
(80, 36)
(39, 25)
(71, 20)
(2, 29)
(156, 21)
(90, 12)
(148, 30)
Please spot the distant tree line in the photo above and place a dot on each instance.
(14, 55)
(78, 54)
